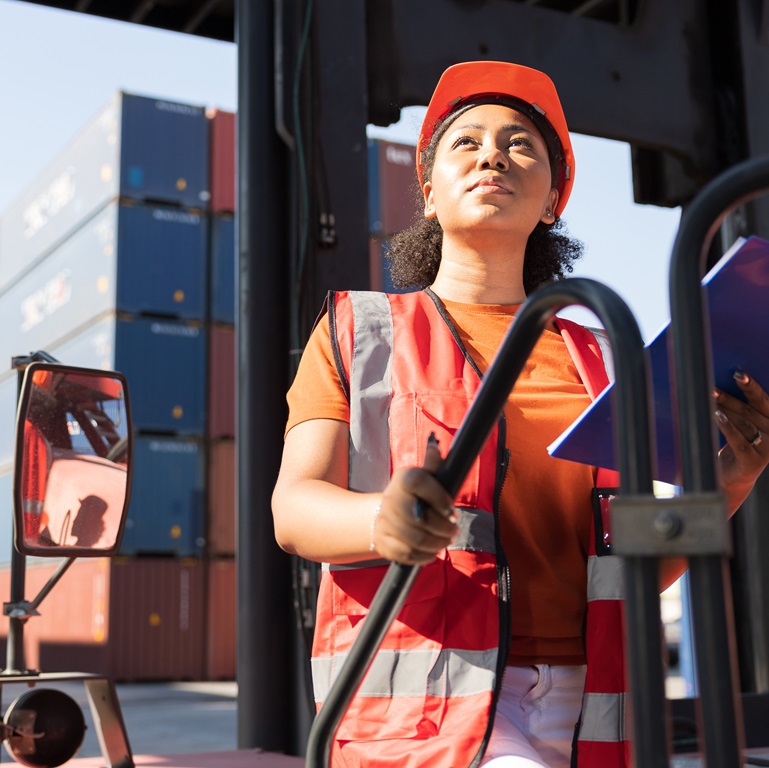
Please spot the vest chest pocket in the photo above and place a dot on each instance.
(414, 416)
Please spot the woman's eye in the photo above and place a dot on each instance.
(520, 141)
(463, 141)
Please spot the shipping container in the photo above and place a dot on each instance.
(223, 162)
(163, 359)
(223, 260)
(137, 147)
(157, 619)
(165, 363)
(162, 261)
(129, 258)
(221, 522)
(221, 382)
(131, 620)
(395, 202)
(166, 511)
(221, 620)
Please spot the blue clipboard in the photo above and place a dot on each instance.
(737, 290)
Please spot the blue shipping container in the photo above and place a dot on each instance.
(138, 147)
(166, 512)
(164, 151)
(223, 259)
(136, 259)
(164, 361)
(161, 261)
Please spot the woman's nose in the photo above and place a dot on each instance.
(493, 157)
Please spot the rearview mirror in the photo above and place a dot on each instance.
(72, 473)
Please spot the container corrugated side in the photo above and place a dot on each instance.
(156, 619)
(141, 619)
(162, 261)
(220, 513)
(394, 202)
(223, 162)
(164, 151)
(166, 511)
(63, 292)
(221, 620)
(223, 259)
(221, 382)
(139, 147)
(74, 185)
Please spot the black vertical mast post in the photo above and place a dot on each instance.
(264, 600)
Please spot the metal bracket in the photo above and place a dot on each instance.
(692, 524)
(23, 609)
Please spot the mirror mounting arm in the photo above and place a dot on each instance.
(39, 356)
(22, 610)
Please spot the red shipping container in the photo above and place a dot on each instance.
(221, 382)
(72, 618)
(221, 621)
(223, 162)
(399, 202)
(139, 619)
(221, 518)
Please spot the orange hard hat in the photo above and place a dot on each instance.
(473, 79)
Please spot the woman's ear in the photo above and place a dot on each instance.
(548, 217)
(427, 191)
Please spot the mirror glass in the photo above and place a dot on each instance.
(72, 472)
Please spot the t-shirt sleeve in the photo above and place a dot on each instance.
(316, 392)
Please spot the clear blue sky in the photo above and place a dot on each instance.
(58, 68)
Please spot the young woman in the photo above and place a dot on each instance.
(490, 660)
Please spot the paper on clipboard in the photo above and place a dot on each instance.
(737, 290)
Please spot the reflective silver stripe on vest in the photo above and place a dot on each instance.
(476, 531)
(602, 339)
(476, 534)
(605, 578)
(370, 391)
(32, 507)
(604, 717)
(447, 673)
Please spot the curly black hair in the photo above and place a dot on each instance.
(415, 253)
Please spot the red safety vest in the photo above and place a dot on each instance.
(430, 694)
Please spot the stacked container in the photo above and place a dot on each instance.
(122, 256)
(104, 263)
(221, 519)
(395, 203)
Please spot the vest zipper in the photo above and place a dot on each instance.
(503, 570)
(503, 586)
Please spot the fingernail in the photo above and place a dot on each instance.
(721, 416)
(741, 376)
(716, 393)
(451, 516)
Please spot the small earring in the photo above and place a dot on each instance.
(548, 213)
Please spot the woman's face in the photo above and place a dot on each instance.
(491, 172)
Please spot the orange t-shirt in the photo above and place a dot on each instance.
(545, 505)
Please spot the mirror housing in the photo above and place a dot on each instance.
(72, 473)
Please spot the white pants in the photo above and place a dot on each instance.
(537, 711)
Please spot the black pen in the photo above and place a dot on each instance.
(419, 507)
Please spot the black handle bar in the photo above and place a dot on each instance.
(721, 720)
